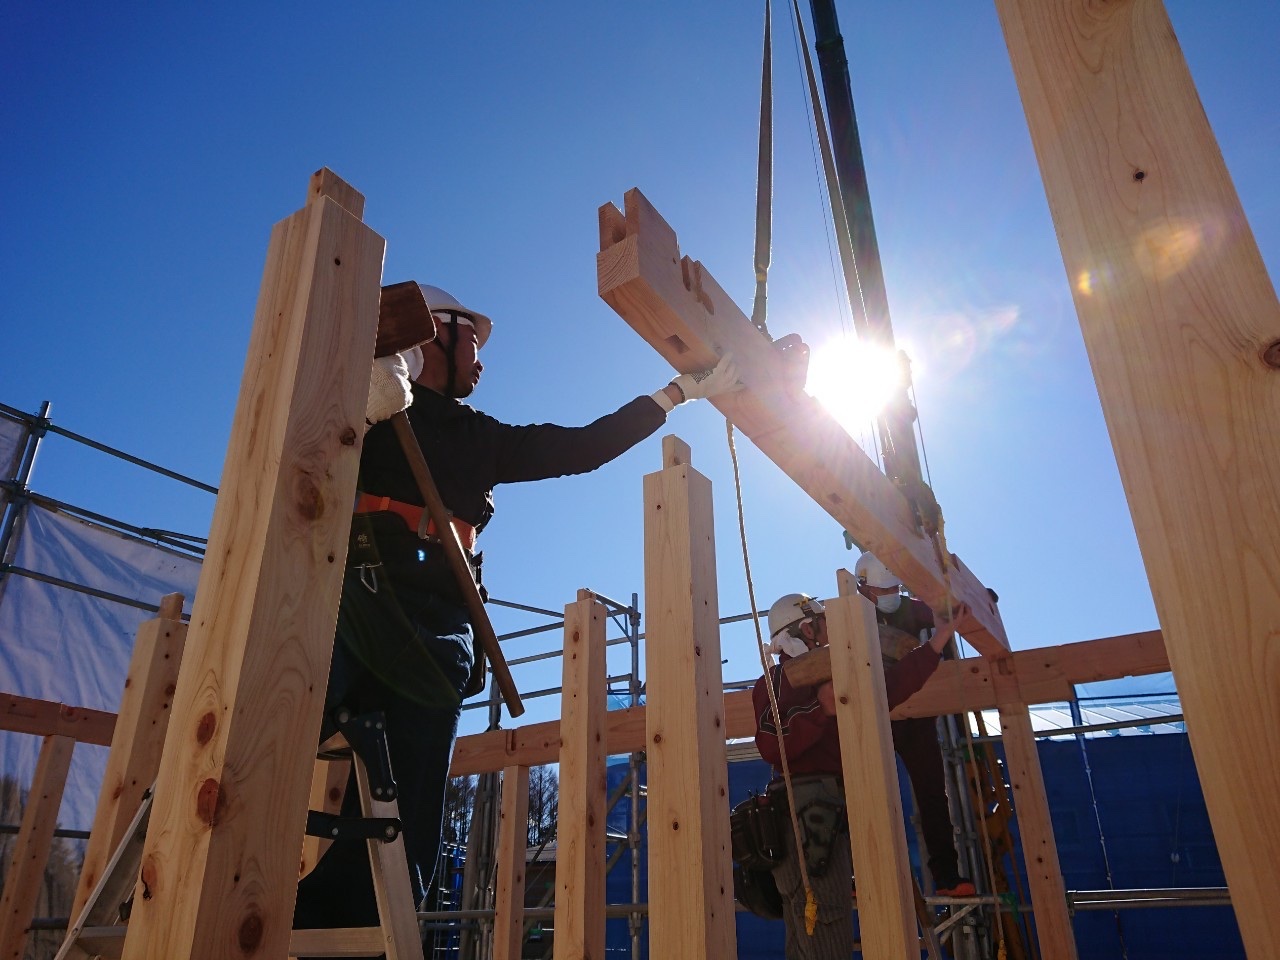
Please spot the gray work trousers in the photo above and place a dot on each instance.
(833, 935)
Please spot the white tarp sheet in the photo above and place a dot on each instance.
(13, 438)
(68, 647)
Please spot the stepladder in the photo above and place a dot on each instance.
(100, 928)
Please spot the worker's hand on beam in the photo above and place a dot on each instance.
(389, 390)
(721, 378)
(827, 698)
(947, 628)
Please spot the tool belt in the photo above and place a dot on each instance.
(417, 518)
(755, 827)
(383, 548)
(820, 808)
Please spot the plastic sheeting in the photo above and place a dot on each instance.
(60, 645)
(13, 438)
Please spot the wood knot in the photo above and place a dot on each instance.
(348, 437)
(249, 936)
(147, 878)
(1271, 355)
(307, 496)
(209, 802)
(205, 728)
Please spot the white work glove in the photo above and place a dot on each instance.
(722, 378)
(389, 391)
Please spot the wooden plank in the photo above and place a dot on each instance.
(1041, 675)
(220, 866)
(336, 942)
(390, 867)
(677, 306)
(328, 786)
(513, 841)
(581, 814)
(691, 912)
(1177, 312)
(326, 183)
(138, 738)
(25, 877)
(958, 685)
(1035, 829)
(46, 719)
(886, 897)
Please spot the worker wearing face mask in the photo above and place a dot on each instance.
(915, 738)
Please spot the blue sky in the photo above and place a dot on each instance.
(149, 148)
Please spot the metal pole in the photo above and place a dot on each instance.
(18, 498)
(633, 768)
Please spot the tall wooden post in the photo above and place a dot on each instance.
(513, 843)
(138, 738)
(691, 911)
(886, 900)
(220, 864)
(580, 850)
(1182, 327)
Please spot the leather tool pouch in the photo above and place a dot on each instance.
(755, 833)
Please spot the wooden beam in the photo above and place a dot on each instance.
(678, 307)
(1035, 830)
(581, 814)
(1041, 675)
(138, 738)
(220, 864)
(44, 718)
(1178, 315)
(691, 912)
(25, 878)
(957, 686)
(513, 842)
(886, 898)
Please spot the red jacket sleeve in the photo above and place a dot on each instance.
(803, 722)
(909, 674)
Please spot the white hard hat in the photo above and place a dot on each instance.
(443, 301)
(871, 571)
(790, 610)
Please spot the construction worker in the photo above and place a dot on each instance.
(916, 738)
(404, 638)
(798, 624)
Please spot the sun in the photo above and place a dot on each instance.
(854, 380)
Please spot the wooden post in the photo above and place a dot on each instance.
(691, 911)
(886, 898)
(580, 849)
(137, 740)
(220, 864)
(513, 842)
(1182, 326)
(1039, 850)
(31, 850)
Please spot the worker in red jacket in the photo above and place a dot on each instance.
(797, 624)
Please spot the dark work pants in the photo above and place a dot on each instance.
(411, 661)
(916, 741)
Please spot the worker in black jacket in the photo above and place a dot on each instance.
(916, 738)
(404, 638)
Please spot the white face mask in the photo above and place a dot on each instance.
(413, 358)
(889, 602)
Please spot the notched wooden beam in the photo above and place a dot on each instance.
(677, 306)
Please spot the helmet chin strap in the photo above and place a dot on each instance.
(451, 361)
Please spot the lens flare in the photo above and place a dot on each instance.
(853, 380)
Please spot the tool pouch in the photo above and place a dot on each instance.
(755, 833)
(820, 808)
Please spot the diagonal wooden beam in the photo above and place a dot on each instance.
(680, 310)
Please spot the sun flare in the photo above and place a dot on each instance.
(853, 380)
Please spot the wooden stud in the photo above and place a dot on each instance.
(25, 878)
(513, 843)
(680, 310)
(1177, 313)
(390, 868)
(675, 452)
(138, 738)
(329, 780)
(1031, 807)
(691, 912)
(581, 815)
(220, 864)
(886, 898)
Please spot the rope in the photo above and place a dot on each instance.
(811, 903)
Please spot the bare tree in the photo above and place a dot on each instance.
(544, 798)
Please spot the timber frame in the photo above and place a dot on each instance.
(1183, 351)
